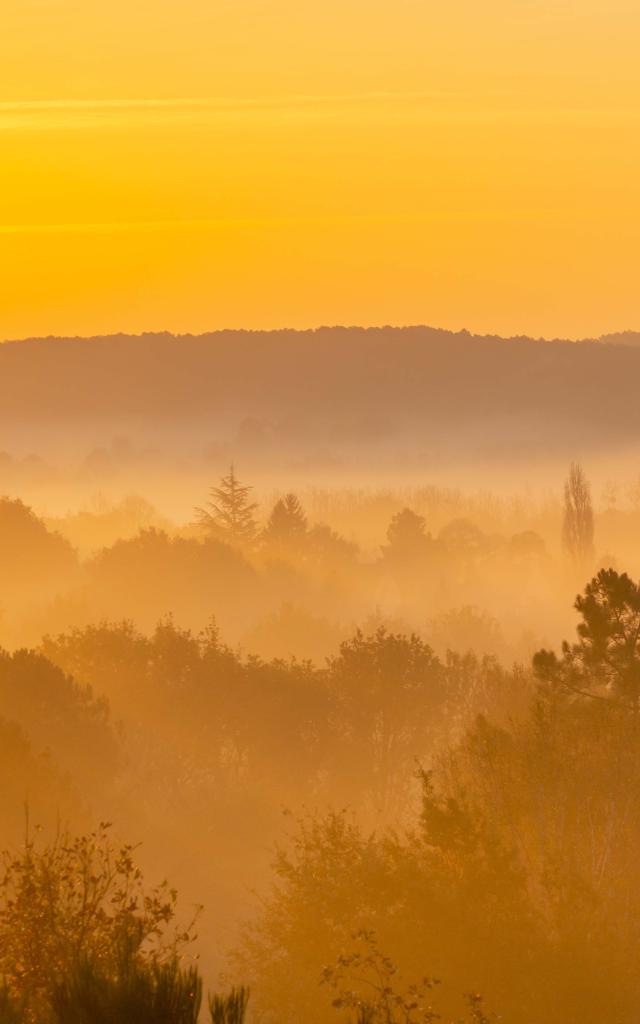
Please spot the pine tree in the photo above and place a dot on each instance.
(287, 523)
(228, 515)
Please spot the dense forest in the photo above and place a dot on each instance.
(338, 387)
(381, 780)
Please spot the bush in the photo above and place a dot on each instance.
(75, 901)
(229, 1009)
(139, 992)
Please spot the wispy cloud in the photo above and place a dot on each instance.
(55, 114)
(81, 113)
(208, 102)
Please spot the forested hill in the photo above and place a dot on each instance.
(416, 374)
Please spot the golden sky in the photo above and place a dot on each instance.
(207, 163)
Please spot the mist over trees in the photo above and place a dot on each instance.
(347, 725)
(228, 516)
(577, 526)
(289, 393)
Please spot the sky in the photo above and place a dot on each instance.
(202, 164)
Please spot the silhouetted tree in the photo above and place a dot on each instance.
(287, 524)
(406, 536)
(606, 660)
(527, 545)
(78, 899)
(388, 689)
(327, 548)
(59, 716)
(577, 525)
(462, 539)
(152, 575)
(29, 552)
(229, 515)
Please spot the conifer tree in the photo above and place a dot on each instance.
(287, 523)
(229, 514)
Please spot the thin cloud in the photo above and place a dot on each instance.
(208, 102)
(34, 114)
(438, 105)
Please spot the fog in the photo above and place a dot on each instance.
(295, 655)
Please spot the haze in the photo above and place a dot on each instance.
(319, 512)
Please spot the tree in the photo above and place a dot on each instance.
(328, 549)
(406, 538)
(229, 513)
(287, 524)
(328, 877)
(605, 663)
(30, 554)
(75, 900)
(388, 690)
(58, 715)
(577, 526)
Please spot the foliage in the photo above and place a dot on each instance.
(58, 715)
(527, 841)
(73, 900)
(326, 879)
(605, 662)
(406, 539)
(231, 1008)
(287, 524)
(388, 690)
(577, 526)
(229, 515)
(366, 982)
(144, 993)
(351, 730)
(29, 552)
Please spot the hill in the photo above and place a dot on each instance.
(334, 383)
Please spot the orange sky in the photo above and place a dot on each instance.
(206, 163)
